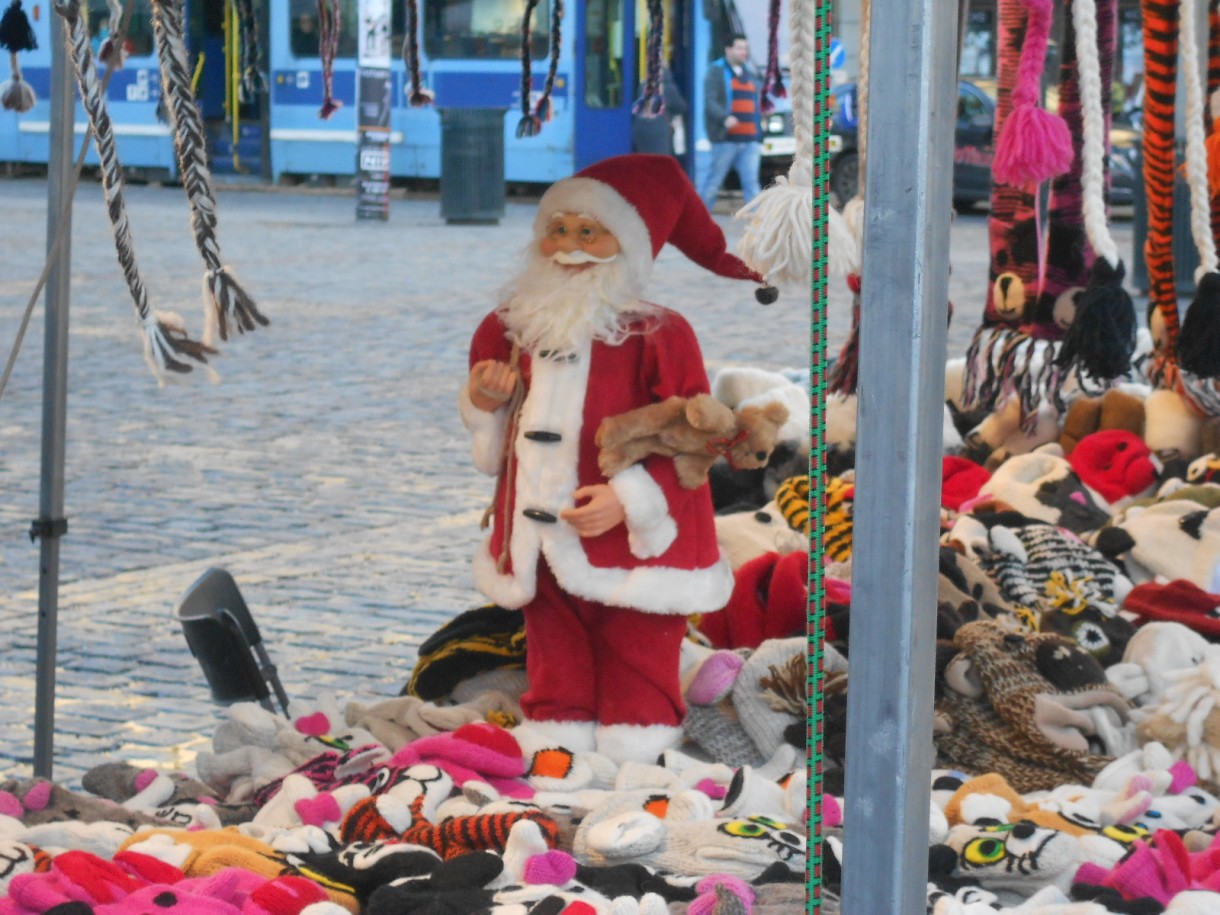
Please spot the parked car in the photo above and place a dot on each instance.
(972, 151)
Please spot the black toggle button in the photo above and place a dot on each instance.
(541, 436)
(537, 514)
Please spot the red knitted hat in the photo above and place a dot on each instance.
(1115, 463)
(961, 480)
(646, 201)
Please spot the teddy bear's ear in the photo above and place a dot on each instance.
(706, 414)
(776, 412)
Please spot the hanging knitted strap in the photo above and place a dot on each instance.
(1213, 122)
(1101, 339)
(1012, 223)
(417, 95)
(1160, 21)
(329, 24)
(113, 45)
(542, 111)
(773, 81)
(225, 300)
(844, 374)
(508, 457)
(1069, 258)
(16, 34)
(165, 339)
(779, 220)
(1199, 341)
(252, 81)
(1034, 144)
(529, 125)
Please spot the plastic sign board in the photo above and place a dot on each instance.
(374, 99)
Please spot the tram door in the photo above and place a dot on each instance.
(605, 79)
(233, 127)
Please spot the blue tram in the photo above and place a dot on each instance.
(469, 53)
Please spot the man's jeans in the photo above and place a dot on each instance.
(743, 158)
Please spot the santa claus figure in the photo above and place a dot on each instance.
(606, 570)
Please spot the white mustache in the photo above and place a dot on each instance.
(572, 258)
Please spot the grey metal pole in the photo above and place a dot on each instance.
(51, 524)
(900, 404)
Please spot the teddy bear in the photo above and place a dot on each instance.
(694, 431)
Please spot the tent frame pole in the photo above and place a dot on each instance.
(51, 524)
(898, 454)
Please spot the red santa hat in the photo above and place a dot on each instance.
(646, 201)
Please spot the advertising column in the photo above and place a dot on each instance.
(373, 103)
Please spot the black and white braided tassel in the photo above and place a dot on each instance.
(253, 83)
(112, 53)
(165, 338)
(225, 300)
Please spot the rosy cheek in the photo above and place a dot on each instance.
(547, 247)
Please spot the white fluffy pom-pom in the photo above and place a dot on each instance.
(777, 242)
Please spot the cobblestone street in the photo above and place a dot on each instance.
(327, 470)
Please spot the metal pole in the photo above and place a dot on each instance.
(51, 524)
(900, 404)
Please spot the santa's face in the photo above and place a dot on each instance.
(574, 287)
(578, 241)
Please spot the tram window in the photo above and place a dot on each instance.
(483, 29)
(139, 41)
(307, 34)
(604, 53)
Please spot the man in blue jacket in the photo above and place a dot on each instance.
(732, 93)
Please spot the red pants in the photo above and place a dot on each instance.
(590, 662)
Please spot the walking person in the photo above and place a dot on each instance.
(732, 93)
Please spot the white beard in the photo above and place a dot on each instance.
(547, 307)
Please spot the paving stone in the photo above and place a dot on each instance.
(327, 470)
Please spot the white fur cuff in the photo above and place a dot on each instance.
(637, 742)
(488, 431)
(650, 528)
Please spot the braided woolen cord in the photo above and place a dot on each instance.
(329, 24)
(529, 125)
(811, 73)
(776, 240)
(225, 301)
(542, 111)
(417, 95)
(773, 81)
(165, 339)
(252, 80)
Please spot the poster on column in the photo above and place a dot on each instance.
(374, 95)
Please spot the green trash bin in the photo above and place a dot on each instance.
(472, 165)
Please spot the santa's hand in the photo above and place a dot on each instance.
(491, 384)
(600, 512)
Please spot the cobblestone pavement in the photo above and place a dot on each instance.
(327, 469)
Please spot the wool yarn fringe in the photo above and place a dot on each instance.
(166, 343)
(226, 303)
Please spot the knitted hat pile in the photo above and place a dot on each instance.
(1014, 705)
(1116, 464)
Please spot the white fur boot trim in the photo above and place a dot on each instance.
(576, 736)
(636, 743)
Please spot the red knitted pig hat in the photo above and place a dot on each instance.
(647, 201)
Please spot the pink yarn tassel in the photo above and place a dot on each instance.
(1034, 144)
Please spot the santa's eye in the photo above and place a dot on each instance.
(743, 829)
(984, 851)
(1125, 834)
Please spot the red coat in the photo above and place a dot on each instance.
(665, 558)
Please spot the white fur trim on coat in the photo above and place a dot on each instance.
(611, 209)
(650, 528)
(636, 742)
(576, 736)
(545, 479)
(487, 433)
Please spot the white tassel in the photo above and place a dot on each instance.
(778, 241)
(844, 246)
